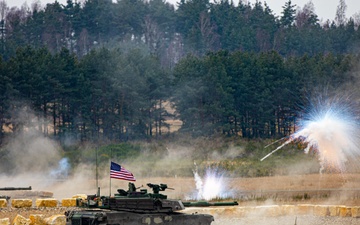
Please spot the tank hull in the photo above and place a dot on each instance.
(110, 217)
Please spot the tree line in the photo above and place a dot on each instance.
(104, 71)
(119, 94)
(257, 95)
(193, 26)
(108, 94)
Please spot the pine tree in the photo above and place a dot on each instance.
(288, 15)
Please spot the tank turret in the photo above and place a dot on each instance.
(142, 201)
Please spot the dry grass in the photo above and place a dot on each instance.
(280, 186)
(327, 188)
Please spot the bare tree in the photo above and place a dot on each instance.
(3, 9)
(356, 17)
(305, 15)
(153, 34)
(83, 43)
(3, 12)
(14, 17)
(340, 17)
(36, 5)
(174, 52)
(208, 32)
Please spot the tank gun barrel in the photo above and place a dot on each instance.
(206, 204)
(15, 188)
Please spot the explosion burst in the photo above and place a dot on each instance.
(212, 186)
(332, 131)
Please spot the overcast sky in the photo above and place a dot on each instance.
(325, 9)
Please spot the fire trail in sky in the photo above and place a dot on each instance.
(332, 131)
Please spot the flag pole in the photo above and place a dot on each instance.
(110, 171)
(96, 161)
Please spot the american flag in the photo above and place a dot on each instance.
(119, 172)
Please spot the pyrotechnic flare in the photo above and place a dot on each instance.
(332, 131)
(213, 186)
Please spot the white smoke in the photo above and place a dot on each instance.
(62, 171)
(212, 186)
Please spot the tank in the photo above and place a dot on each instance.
(134, 207)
